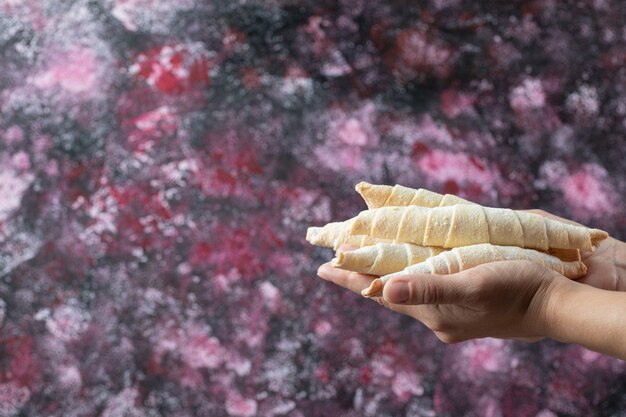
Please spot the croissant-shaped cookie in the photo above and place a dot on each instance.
(376, 196)
(384, 258)
(335, 234)
(469, 224)
(462, 258)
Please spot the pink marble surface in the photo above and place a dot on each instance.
(161, 160)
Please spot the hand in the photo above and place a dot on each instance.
(512, 299)
(508, 299)
(606, 265)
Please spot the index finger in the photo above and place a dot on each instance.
(350, 280)
(553, 217)
(346, 247)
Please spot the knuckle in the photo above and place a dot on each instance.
(352, 276)
(476, 289)
(476, 286)
(429, 293)
(353, 281)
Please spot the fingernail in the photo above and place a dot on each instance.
(398, 292)
(322, 272)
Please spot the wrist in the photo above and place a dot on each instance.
(556, 297)
(559, 306)
(620, 265)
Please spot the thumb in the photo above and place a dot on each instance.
(425, 289)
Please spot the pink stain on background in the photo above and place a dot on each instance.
(455, 103)
(588, 195)
(146, 14)
(588, 190)
(455, 169)
(418, 54)
(484, 356)
(160, 162)
(77, 72)
(238, 406)
(173, 69)
(528, 96)
(12, 188)
(12, 398)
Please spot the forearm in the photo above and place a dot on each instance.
(591, 317)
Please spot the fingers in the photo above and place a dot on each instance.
(351, 280)
(346, 247)
(552, 216)
(356, 282)
(425, 289)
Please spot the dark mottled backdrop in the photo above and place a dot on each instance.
(161, 160)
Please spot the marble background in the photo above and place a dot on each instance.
(160, 162)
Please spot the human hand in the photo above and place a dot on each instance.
(514, 299)
(509, 299)
(606, 266)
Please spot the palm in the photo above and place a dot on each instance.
(606, 265)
